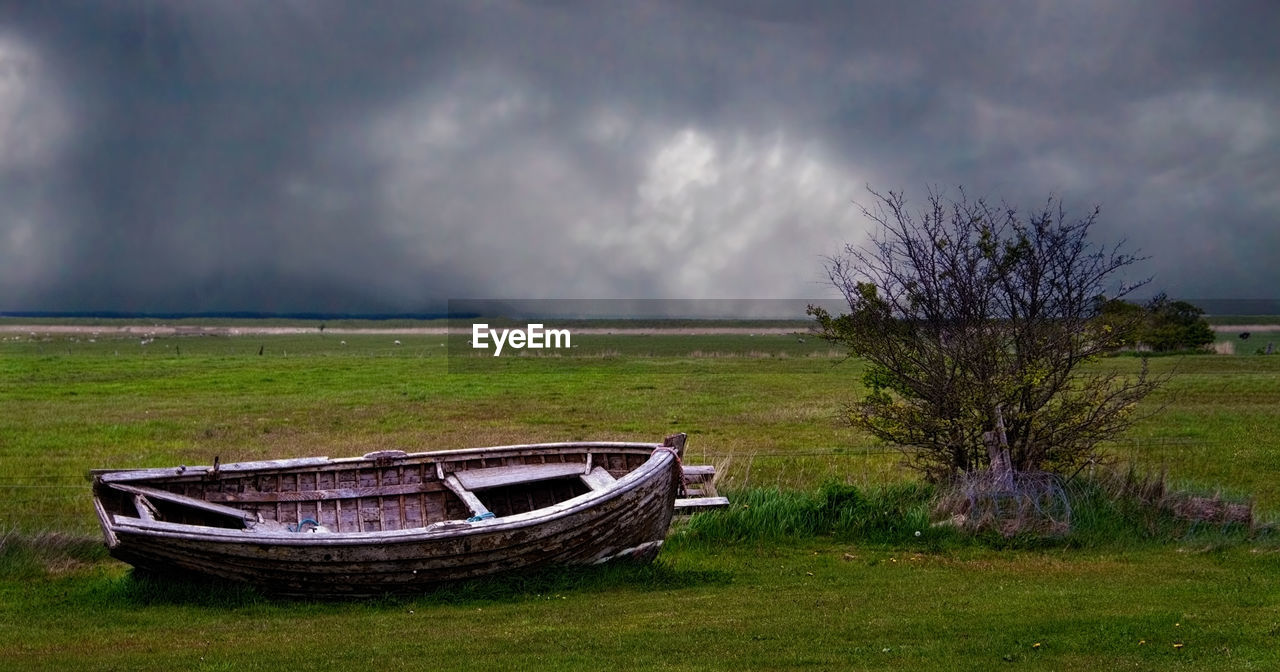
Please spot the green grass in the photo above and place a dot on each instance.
(902, 515)
(752, 588)
(818, 604)
(892, 514)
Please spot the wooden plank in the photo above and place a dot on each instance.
(335, 493)
(121, 475)
(385, 455)
(358, 509)
(565, 449)
(694, 504)
(107, 523)
(699, 470)
(145, 510)
(598, 479)
(492, 477)
(183, 500)
(468, 497)
(382, 504)
(423, 516)
(403, 523)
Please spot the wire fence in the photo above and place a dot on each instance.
(863, 451)
(37, 481)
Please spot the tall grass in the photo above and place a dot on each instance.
(40, 554)
(1130, 508)
(1107, 511)
(892, 514)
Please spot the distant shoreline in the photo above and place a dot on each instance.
(250, 330)
(151, 331)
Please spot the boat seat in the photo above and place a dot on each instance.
(598, 478)
(494, 477)
(466, 483)
(469, 498)
(145, 499)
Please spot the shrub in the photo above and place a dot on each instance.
(973, 318)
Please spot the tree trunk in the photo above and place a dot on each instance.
(998, 453)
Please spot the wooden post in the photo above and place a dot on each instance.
(676, 441)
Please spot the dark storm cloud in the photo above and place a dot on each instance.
(324, 156)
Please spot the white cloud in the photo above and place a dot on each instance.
(34, 123)
(35, 126)
(622, 206)
(738, 215)
(1181, 126)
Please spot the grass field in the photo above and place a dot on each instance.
(763, 407)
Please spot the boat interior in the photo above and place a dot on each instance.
(380, 492)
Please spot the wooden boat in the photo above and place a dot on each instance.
(392, 522)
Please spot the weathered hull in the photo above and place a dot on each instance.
(627, 518)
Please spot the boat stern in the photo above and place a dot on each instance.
(108, 525)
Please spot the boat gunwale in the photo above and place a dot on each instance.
(451, 455)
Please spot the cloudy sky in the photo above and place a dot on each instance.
(314, 155)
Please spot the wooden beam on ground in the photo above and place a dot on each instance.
(695, 504)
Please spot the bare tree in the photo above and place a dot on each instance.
(974, 322)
